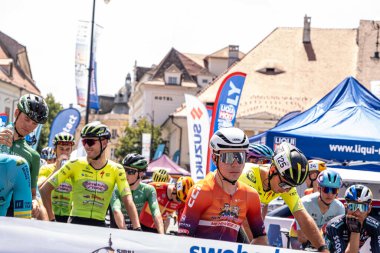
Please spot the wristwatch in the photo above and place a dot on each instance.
(323, 247)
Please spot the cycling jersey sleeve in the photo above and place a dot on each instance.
(152, 200)
(373, 227)
(121, 182)
(115, 200)
(35, 164)
(254, 214)
(21, 193)
(61, 175)
(292, 200)
(196, 204)
(44, 173)
(334, 235)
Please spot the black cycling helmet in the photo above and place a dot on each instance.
(291, 163)
(64, 137)
(34, 107)
(135, 161)
(95, 129)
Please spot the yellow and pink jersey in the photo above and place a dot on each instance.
(211, 213)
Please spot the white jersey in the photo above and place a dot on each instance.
(310, 203)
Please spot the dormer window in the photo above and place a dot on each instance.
(270, 71)
(173, 75)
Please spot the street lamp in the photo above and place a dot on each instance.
(90, 65)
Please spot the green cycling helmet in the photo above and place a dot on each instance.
(64, 137)
(34, 107)
(95, 129)
(135, 161)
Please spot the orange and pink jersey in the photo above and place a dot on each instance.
(167, 206)
(211, 213)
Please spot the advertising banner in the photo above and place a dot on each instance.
(82, 59)
(64, 237)
(66, 120)
(159, 151)
(226, 105)
(145, 148)
(198, 125)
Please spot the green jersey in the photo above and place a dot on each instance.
(143, 193)
(21, 148)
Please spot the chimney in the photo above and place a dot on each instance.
(306, 29)
(233, 54)
(7, 65)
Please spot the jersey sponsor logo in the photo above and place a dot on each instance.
(102, 174)
(19, 204)
(251, 176)
(198, 249)
(95, 186)
(88, 171)
(194, 195)
(64, 187)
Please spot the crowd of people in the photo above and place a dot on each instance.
(229, 204)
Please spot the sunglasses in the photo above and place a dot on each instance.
(363, 207)
(258, 160)
(328, 190)
(131, 171)
(283, 184)
(230, 157)
(89, 142)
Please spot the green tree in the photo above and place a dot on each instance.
(54, 109)
(132, 139)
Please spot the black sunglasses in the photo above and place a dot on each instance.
(131, 171)
(89, 142)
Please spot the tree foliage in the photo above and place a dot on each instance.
(54, 109)
(132, 139)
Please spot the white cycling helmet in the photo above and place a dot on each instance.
(229, 139)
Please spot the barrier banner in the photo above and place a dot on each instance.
(21, 235)
(226, 106)
(66, 120)
(198, 127)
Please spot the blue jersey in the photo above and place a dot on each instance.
(15, 179)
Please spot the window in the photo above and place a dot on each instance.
(172, 80)
(270, 71)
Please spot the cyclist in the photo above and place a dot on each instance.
(15, 179)
(61, 197)
(169, 201)
(348, 232)
(289, 168)
(31, 110)
(135, 166)
(259, 154)
(48, 154)
(322, 205)
(315, 167)
(218, 204)
(161, 175)
(93, 179)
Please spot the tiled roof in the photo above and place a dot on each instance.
(21, 76)
(303, 82)
(223, 53)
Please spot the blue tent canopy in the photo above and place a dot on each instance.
(342, 126)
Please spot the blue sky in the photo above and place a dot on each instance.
(145, 30)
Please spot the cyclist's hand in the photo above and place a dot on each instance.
(6, 137)
(35, 208)
(353, 224)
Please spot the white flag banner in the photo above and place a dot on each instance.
(145, 149)
(198, 125)
(21, 235)
(82, 58)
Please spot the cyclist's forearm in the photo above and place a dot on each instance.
(132, 211)
(119, 219)
(45, 191)
(159, 223)
(264, 211)
(309, 228)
